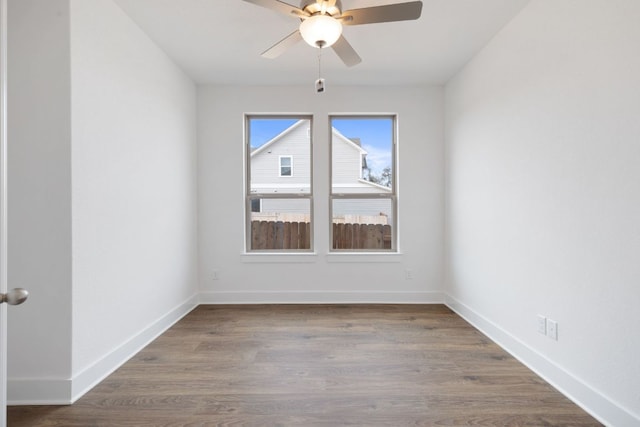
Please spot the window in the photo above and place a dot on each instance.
(286, 166)
(363, 199)
(278, 202)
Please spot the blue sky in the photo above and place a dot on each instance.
(264, 130)
(376, 135)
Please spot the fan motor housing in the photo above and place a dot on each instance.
(314, 7)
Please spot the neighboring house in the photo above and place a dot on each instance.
(282, 165)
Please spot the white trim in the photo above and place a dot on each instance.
(366, 184)
(336, 132)
(321, 297)
(386, 190)
(66, 391)
(290, 166)
(31, 391)
(279, 136)
(588, 398)
(259, 205)
(364, 257)
(27, 391)
(3, 210)
(94, 374)
(280, 186)
(283, 256)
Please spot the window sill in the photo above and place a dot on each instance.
(312, 257)
(364, 257)
(278, 257)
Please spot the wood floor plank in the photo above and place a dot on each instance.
(317, 365)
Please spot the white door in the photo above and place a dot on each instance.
(3, 210)
(16, 296)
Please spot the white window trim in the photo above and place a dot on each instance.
(260, 203)
(388, 193)
(280, 166)
(277, 255)
(288, 186)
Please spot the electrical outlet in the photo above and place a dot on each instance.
(215, 275)
(542, 324)
(408, 274)
(552, 329)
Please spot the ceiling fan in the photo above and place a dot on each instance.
(322, 22)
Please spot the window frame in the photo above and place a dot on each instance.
(392, 196)
(259, 205)
(250, 196)
(280, 158)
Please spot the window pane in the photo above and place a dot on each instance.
(362, 223)
(282, 224)
(285, 166)
(362, 155)
(280, 155)
(278, 192)
(363, 202)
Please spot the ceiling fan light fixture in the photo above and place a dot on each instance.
(321, 30)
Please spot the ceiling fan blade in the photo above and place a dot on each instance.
(284, 44)
(280, 6)
(346, 52)
(386, 13)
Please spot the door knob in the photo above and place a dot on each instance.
(14, 296)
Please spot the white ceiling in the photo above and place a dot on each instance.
(220, 41)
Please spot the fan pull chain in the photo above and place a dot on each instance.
(320, 81)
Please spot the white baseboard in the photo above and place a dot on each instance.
(38, 391)
(90, 377)
(591, 400)
(434, 297)
(67, 391)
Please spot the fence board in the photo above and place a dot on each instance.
(291, 231)
(279, 235)
(255, 234)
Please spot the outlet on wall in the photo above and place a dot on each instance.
(542, 324)
(408, 274)
(552, 329)
(215, 275)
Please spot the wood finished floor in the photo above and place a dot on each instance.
(310, 365)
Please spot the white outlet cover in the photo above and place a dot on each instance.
(542, 324)
(552, 329)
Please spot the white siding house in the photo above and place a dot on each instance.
(283, 166)
(268, 161)
(348, 165)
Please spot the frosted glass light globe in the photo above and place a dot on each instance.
(321, 30)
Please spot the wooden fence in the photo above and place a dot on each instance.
(361, 236)
(297, 235)
(280, 235)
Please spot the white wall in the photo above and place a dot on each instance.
(318, 278)
(543, 149)
(39, 217)
(134, 185)
(103, 194)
